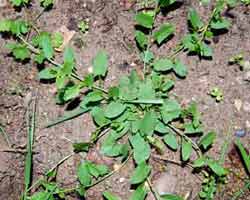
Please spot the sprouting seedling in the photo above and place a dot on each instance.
(241, 61)
(217, 93)
(83, 26)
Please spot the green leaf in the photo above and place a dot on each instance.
(71, 92)
(97, 170)
(100, 64)
(165, 3)
(19, 3)
(147, 56)
(68, 116)
(161, 128)
(40, 195)
(170, 110)
(220, 24)
(244, 155)
(163, 64)
(48, 73)
(114, 109)
(5, 25)
(109, 196)
(144, 19)
(43, 41)
(69, 59)
(186, 150)
(81, 147)
(141, 39)
(140, 193)
(171, 141)
(168, 85)
(194, 19)
(200, 162)
(171, 197)
(47, 3)
(164, 32)
(216, 168)
(98, 116)
(57, 39)
(20, 51)
(205, 50)
(180, 69)
(148, 123)
(207, 140)
(83, 174)
(190, 128)
(94, 96)
(141, 148)
(140, 174)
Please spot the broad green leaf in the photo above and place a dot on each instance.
(98, 116)
(205, 50)
(94, 96)
(40, 58)
(114, 109)
(164, 32)
(140, 174)
(147, 56)
(109, 196)
(161, 128)
(163, 64)
(19, 2)
(165, 3)
(148, 123)
(168, 85)
(100, 64)
(170, 110)
(190, 128)
(20, 51)
(71, 92)
(200, 162)
(140, 193)
(171, 197)
(194, 19)
(171, 141)
(83, 174)
(146, 90)
(57, 39)
(244, 155)
(140, 147)
(216, 168)
(48, 73)
(40, 195)
(141, 39)
(156, 143)
(207, 140)
(144, 19)
(97, 170)
(186, 150)
(220, 24)
(5, 25)
(180, 69)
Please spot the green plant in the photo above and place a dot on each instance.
(83, 26)
(135, 116)
(241, 61)
(217, 93)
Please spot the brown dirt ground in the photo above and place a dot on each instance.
(111, 28)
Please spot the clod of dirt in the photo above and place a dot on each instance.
(238, 104)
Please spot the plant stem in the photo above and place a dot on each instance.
(154, 192)
(5, 135)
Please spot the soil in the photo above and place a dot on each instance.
(112, 29)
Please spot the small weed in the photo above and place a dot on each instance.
(83, 26)
(217, 94)
(240, 61)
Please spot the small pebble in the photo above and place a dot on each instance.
(240, 133)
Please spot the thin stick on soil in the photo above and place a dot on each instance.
(154, 192)
(5, 135)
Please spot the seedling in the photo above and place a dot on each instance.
(217, 93)
(83, 26)
(241, 61)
